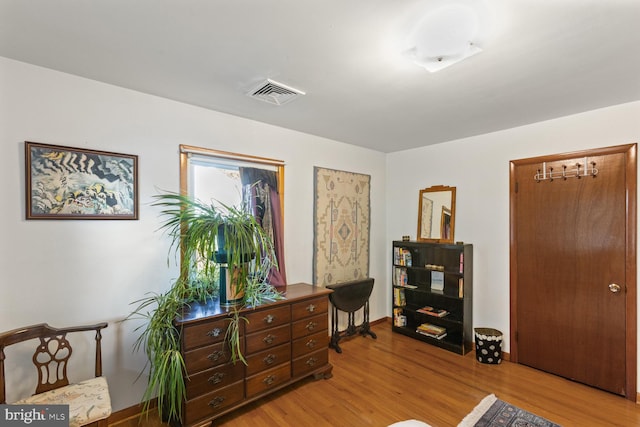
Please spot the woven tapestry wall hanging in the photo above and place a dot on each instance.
(341, 226)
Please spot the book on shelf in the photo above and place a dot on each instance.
(436, 312)
(431, 330)
(437, 280)
(400, 278)
(438, 337)
(399, 319)
(402, 256)
(407, 257)
(398, 297)
(461, 288)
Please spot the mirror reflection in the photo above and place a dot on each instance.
(436, 214)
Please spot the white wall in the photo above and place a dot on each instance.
(76, 272)
(73, 272)
(479, 168)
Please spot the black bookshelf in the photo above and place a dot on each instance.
(439, 276)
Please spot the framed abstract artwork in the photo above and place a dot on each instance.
(78, 183)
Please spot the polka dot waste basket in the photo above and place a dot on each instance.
(488, 345)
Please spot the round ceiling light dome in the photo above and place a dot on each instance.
(444, 36)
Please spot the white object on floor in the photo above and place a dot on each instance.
(409, 423)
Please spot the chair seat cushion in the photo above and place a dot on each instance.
(88, 401)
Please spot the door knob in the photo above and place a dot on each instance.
(615, 288)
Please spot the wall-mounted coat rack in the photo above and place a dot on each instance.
(576, 170)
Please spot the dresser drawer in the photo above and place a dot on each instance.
(268, 339)
(213, 379)
(310, 307)
(212, 403)
(206, 357)
(309, 362)
(268, 359)
(309, 325)
(204, 333)
(268, 379)
(263, 319)
(310, 343)
(276, 356)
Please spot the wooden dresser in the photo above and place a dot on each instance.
(283, 342)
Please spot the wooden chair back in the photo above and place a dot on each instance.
(51, 355)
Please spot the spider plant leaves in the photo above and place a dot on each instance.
(160, 340)
(194, 227)
(233, 338)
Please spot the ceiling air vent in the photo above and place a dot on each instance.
(274, 93)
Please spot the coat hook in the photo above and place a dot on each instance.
(574, 171)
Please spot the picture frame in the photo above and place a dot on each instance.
(436, 214)
(78, 183)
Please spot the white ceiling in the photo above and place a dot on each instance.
(541, 59)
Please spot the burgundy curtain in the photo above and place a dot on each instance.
(261, 194)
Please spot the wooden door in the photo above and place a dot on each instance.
(573, 266)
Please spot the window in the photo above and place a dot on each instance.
(221, 177)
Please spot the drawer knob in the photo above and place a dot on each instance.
(311, 361)
(216, 402)
(269, 339)
(311, 326)
(216, 378)
(269, 379)
(269, 359)
(311, 308)
(311, 343)
(216, 332)
(269, 319)
(215, 355)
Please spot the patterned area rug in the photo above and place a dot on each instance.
(341, 226)
(492, 411)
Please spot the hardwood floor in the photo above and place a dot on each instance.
(394, 378)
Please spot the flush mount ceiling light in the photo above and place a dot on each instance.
(274, 93)
(444, 36)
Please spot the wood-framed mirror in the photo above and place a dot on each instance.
(436, 214)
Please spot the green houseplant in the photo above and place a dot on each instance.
(196, 230)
